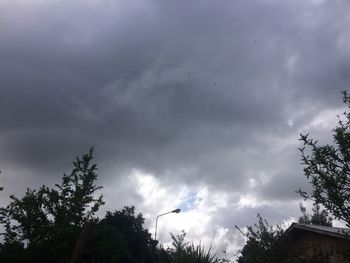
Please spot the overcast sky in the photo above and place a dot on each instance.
(196, 104)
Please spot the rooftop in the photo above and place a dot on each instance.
(325, 230)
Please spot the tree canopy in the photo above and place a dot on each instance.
(261, 245)
(58, 224)
(318, 217)
(328, 168)
(50, 219)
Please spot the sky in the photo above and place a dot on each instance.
(191, 104)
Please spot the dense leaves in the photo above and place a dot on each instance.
(328, 168)
(73, 202)
(319, 217)
(50, 219)
(141, 247)
(261, 245)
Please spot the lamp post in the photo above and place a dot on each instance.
(173, 211)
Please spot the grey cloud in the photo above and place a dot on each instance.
(185, 90)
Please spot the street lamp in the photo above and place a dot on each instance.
(174, 211)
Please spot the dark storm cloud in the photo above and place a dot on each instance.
(184, 88)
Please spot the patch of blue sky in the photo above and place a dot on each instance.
(189, 202)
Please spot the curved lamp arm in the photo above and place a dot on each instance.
(173, 211)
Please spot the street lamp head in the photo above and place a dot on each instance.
(177, 210)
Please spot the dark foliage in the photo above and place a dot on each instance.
(328, 168)
(184, 252)
(121, 237)
(263, 244)
(44, 225)
(319, 217)
(58, 225)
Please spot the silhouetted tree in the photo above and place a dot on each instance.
(58, 225)
(319, 217)
(262, 243)
(44, 224)
(328, 168)
(130, 225)
(106, 244)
